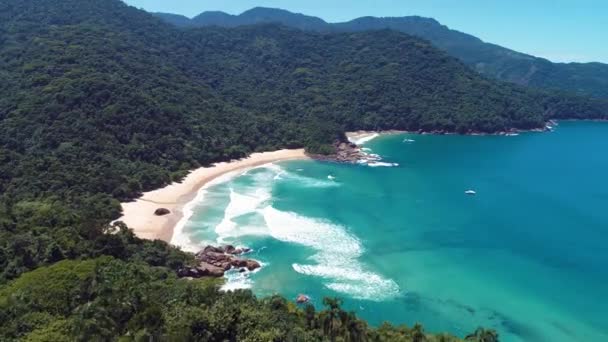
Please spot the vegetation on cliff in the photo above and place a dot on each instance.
(492, 60)
(101, 101)
(106, 299)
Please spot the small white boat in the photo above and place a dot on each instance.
(470, 192)
(408, 140)
(330, 177)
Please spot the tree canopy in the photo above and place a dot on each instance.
(590, 79)
(100, 101)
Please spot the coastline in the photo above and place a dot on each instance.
(139, 214)
(362, 136)
(178, 197)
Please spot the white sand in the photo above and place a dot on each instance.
(360, 137)
(139, 215)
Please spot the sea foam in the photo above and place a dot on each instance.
(236, 280)
(251, 199)
(336, 257)
(240, 205)
(279, 174)
(382, 164)
(336, 251)
(371, 159)
(180, 238)
(364, 139)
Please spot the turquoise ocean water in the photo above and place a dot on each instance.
(527, 255)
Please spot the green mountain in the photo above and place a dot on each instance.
(100, 101)
(97, 83)
(258, 15)
(489, 59)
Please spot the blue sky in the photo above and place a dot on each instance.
(560, 30)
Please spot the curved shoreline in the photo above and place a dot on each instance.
(139, 214)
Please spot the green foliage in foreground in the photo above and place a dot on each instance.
(100, 101)
(106, 299)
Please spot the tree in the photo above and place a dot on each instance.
(330, 318)
(483, 335)
(417, 332)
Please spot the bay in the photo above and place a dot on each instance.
(403, 243)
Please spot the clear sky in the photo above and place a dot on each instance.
(560, 30)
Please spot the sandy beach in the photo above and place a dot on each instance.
(139, 214)
(360, 137)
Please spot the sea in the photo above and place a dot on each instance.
(399, 240)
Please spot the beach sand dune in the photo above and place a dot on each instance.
(139, 214)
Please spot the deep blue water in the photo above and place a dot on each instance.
(527, 255)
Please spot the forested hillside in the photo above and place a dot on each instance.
(489, 59)
(100, 101)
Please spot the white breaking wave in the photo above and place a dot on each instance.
(369, 158)
(250, 213)
(336, 257)
(254, 198)
(240, 205)
(281, 174)
(183, 240)
(364, 139)
(236, 280)
(383, 164)
(374, 160)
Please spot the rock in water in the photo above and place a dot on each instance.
(252, 264)
(211, 249)
(301, 299)
(210, 270)
(162, 212)
(239, 263)
(214, 261)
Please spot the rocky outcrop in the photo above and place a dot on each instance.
(162, 212)
(252, 264)
(345, 153)
(213, 261)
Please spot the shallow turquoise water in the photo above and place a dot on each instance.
(526, 256)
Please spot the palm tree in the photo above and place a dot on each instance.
(309, 312)
(418, 333)
(483, 335)
(330, 317)
(355, 328)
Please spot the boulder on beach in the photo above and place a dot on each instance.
(162, 212)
